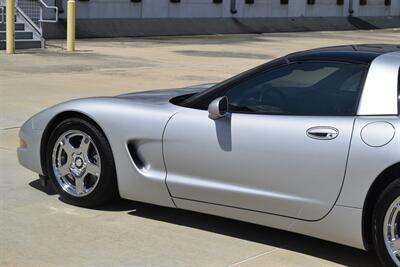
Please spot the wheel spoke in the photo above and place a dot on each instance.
(79, 185)
(64, 170)
(84, 145)
(93, 169)
(67, 147)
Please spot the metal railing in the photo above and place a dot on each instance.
(2, 13)
(2, 10)
(46, 6)
(32, 11)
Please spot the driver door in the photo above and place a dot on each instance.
(282, 149)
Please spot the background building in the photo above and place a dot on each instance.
(36, 19)
(175, 17)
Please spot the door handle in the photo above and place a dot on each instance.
(323, 133)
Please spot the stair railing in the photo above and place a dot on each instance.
(2, 13)
(29, 19)
(45, 5)
(2, 10)
(32, 12)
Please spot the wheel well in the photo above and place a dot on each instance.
(381, 182)
(52, 124)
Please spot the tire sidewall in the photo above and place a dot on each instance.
(106, 186)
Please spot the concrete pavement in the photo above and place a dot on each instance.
(37, 229)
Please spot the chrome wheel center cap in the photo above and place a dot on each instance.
(78, 165)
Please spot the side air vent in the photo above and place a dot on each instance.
(133, 151)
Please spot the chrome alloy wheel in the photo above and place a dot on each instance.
(76, 163)
(391, 230)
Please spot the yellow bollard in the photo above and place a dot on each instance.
(71, 25)
(10, 28)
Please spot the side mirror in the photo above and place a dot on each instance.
(218, 108)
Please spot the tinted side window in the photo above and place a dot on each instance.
(310, 88)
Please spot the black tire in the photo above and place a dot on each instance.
(106, 189)
(385, 200)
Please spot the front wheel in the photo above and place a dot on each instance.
(80, 163)
(386, 225)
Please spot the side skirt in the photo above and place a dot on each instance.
(342, 225)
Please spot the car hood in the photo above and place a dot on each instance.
(157, 100)
(158, 97)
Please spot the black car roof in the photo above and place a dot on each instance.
(363, 53)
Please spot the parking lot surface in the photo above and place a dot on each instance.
(37, 229)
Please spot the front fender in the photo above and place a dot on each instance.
(122, 120)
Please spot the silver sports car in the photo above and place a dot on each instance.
(308, 143)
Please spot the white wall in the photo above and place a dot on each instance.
(373, 7)
(207, 9)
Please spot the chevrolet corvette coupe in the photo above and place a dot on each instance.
(308, 143)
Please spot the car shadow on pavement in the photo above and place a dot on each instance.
(255, 233)
(45, 189)
(247, 231)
